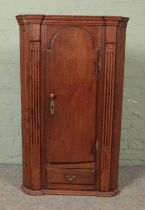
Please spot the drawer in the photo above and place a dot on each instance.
(71, 176)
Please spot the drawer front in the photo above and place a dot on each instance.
(71, 176)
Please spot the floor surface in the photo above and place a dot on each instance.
(131, 196)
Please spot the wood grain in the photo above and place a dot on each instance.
(80, 59)
(72, 79)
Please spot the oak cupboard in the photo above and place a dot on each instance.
(71, 91)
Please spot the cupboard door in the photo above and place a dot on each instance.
(70, 96)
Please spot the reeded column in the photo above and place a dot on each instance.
(30, 92)
(112, 104)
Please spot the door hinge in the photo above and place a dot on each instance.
(95, 148)
(96, 145)
(98, 63)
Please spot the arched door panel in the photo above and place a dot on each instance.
(70, 125)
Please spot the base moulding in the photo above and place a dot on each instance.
(69, 192)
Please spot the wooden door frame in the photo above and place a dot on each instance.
(100, 51)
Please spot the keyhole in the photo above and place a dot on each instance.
(52, 105)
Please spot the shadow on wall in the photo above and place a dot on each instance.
(130, 174)
(133, 120)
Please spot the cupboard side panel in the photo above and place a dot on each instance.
(118, 94)
(25, 106)
(30, 96)
(107, 107)
(43, 107)
(34, 80)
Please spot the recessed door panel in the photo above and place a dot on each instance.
(71, 87)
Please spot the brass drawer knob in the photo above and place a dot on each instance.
(69, 177)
